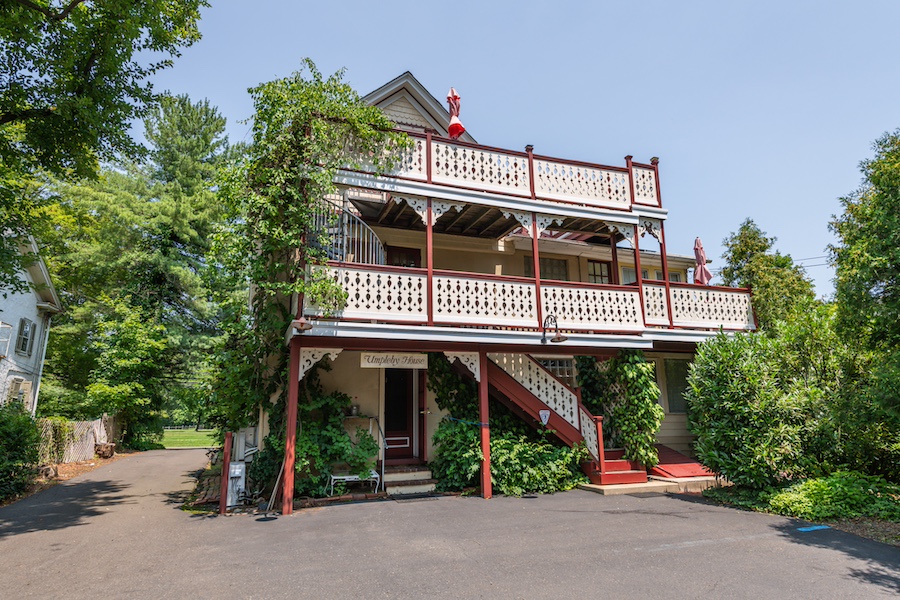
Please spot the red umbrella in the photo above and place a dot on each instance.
(701, 273)
(456, 128)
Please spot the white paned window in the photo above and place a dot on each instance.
(25, 339)
(598, 271)
(562, 368)
(556, 269)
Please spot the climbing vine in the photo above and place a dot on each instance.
(305, 128)
(623, 389)
(323, 444)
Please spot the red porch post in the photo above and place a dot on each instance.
(537, 271)
(226, 467)
(429, 261)
(290, 429)
(665, 268)
(598, 421)
(484, 418)
(614, 276)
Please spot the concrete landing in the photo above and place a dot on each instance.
(691, 484)
(618, 489)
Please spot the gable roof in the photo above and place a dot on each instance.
(406, 101)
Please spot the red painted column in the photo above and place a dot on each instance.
(484, 418)
(537, 271)
(226, 467)
(429, 260)
(428, 157)
(655, 162)
(290, 429)
(614, 279)
(665, 268)
(637, 269)
(598, 422)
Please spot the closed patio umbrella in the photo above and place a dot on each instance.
(702, 275)
(456, 128)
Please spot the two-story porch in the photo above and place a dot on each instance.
(510, 263)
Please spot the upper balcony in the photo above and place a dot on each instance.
(552, 182)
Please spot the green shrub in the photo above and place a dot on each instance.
(457, 459)
(841, 495)
(20, 440)
(753, 425)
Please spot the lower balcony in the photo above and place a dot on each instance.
(413, 296)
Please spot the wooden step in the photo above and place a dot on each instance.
(620, 465)
(410, 486)
(414, 473)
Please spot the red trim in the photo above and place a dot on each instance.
(427, 157)
(529, 149)
(665, 268)
(429, 257)
(655, 164)
(383, 268)
(226, 467)
(722, 288)
(580, 163)
(615, 259)
(537, 271)
(290, 429)
(585, 284)
(598, 421)
(484, 417)
(502, 278)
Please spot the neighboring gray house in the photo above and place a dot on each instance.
(24, 328)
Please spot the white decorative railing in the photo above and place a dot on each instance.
(396, 294)
(391, 295)
(589, 433)
(645, 186)
(695, 306)
(593, 308)
(544, 386)
(475, 301)
(481, 168)
(414, 161)
(656, 312)
(579, 183)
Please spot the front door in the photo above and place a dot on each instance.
(399, 407)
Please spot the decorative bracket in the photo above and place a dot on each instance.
(625, 229)
(651, 226)
(523, 218)
(545, 221)
(440, 208)
(310, 356)
(469, 360)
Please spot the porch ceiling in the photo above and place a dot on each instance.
(475, 221)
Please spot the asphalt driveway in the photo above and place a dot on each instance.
(117, 532)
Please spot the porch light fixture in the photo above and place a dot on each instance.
(556, 339)
(301, 324)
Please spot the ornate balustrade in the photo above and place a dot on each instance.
(472, 166)
(542, 384)
(405, 295)
(711, 307)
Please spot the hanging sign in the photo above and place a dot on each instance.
(545, 416)
(393, 360)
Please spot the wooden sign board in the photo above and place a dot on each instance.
(393, 360)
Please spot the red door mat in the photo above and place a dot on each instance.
(676, 464)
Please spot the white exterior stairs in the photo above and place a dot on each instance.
(400, 480)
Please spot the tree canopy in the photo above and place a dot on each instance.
(777, 283)
(73, 77)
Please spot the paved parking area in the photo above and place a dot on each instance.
(118, 532)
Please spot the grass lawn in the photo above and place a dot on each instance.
(187, 438)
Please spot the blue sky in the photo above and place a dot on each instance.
(756, 109)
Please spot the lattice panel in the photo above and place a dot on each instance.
(592, 308)
(541, 384)
(655, 310)
(581, 184)
(645, 186)
(483, 302)
(698, 307)
(589, 433)
(479, 168)
(380, 295)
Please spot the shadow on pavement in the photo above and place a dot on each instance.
(61, 506)
(883, 560)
